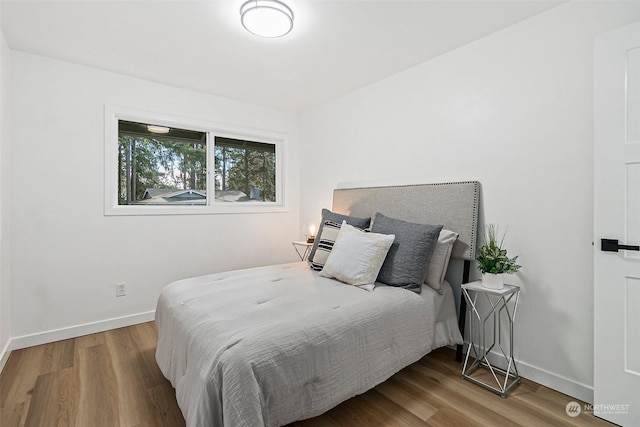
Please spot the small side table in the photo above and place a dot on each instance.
(302, 249)
(479, 347)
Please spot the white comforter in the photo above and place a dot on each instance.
(272, 345)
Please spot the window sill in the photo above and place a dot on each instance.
(222, 208)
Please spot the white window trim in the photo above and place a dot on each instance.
(113, 114)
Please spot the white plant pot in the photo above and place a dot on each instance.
(493, 281)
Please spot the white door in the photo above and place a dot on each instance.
(617, 217)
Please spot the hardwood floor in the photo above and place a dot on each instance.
(111, 379)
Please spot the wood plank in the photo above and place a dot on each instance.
(164, 405)
(465, 396)
(395, 413)
(13, 415)
(373, 409)
(319, 421)
(19, 376)
(44, 408)
(410, 397)
(68, 396)
(133, 402)
(146, 338)
(444, 390)
(448, 416)
(90, 340)
(98, 400)
(57, 355)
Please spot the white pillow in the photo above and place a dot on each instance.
(357, 256)
(440, 260)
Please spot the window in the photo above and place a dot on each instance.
(155, 165)
(245, 170)
(161, 165)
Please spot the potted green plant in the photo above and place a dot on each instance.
(493, 261)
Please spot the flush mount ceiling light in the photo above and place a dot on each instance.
(158, 129)
(266, 18)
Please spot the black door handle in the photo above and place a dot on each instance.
(610, 245)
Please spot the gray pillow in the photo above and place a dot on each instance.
(407, 261)
(337, 218)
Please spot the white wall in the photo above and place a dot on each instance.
(5, 288)
(515, 111)
(66, 256)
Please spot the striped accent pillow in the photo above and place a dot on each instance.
(326, 239)
(337, 218)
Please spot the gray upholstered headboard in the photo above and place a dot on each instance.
(454, 205)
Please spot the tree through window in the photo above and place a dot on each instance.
(158, 165)
(245, 170)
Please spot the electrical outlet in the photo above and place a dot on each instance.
(121, 289)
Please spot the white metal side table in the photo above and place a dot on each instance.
(302, 249)
(501, 380)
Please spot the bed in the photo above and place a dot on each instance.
(271, 345)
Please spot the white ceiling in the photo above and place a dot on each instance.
(334, 48)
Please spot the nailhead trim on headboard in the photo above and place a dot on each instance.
(453, 204)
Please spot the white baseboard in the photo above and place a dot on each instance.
(4, 355)
(73, 332)
(543, 377)
(556, 382)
